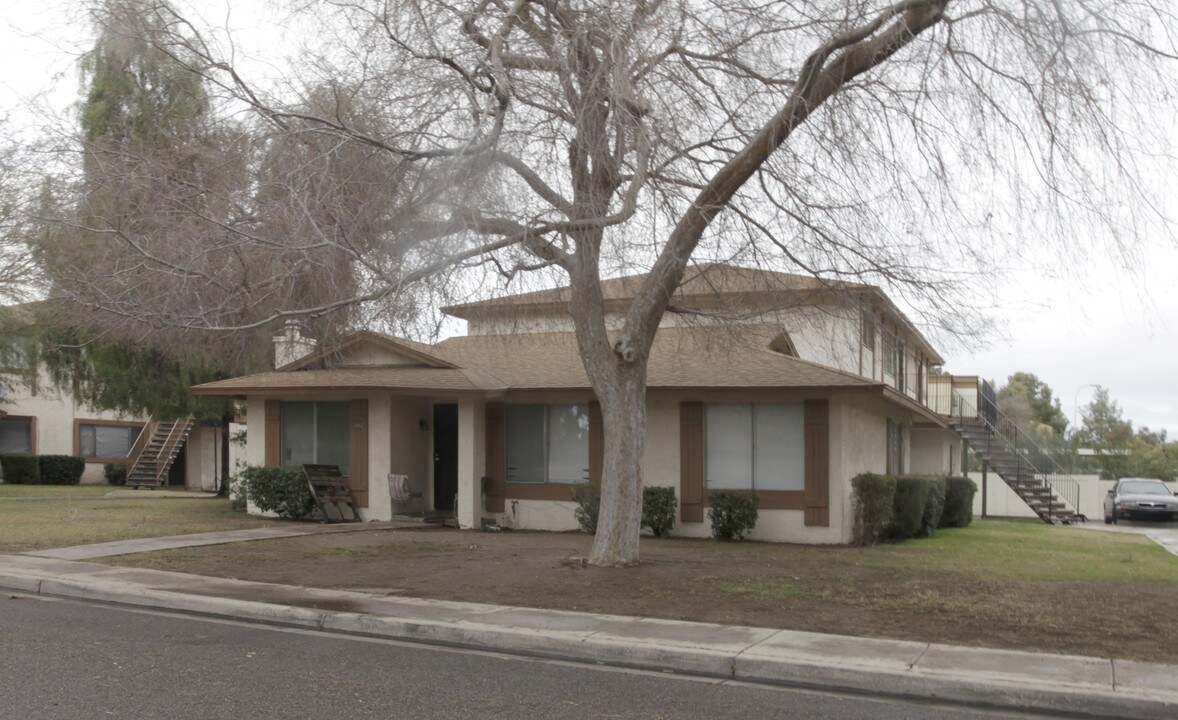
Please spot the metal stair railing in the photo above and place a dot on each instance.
(1021, 447)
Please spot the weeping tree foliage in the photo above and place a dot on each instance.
(913, 144)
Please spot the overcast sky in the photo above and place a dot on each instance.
(1104, 325)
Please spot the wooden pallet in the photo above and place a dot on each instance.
(332, 495)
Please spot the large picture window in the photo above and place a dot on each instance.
(16, 436)
(101, 441)
(547, 443)
(316, 433)
(759, 446)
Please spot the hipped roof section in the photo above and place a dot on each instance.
(681, 357)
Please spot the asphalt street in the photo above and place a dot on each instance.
(66, 659)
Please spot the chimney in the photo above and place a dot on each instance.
(291, 345)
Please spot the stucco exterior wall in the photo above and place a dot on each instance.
(934, 451)
(1001, 501)
(857, 444)
(410, 450)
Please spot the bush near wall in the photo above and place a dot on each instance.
(933, 508)
(60, 469)
(908, 508)
(115, 473)
(20, 469)
(732, 514)
(659, 507)
(587, 496)
(873, 497)
(959, 492)
(280, 490)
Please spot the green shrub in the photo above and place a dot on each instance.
(20, 469)
(933, 508)
(587, 496)
(61, 469)
(873, 496)
(115, 473)
(908, 508)
(732, 514)
(280, 490)
(659, 507)
(959, 492)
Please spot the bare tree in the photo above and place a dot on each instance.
(18, 273)
(890, 142)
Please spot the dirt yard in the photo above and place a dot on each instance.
(955, 589)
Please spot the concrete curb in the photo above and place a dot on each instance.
(1072, 686)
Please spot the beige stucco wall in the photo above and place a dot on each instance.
(369, 355)
(410, 449)
(55, 414)
(934, 451)
(1001, 501)
(857, 444)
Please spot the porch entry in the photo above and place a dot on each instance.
(445, 456)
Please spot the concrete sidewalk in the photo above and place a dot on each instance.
(221, 537)
(1075, 686)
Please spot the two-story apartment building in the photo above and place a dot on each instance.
(763, 381)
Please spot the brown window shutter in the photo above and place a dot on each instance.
(358, 452)
(691, 461)
(596, 443)
(496, 457)
(273, 437)
(817, 449)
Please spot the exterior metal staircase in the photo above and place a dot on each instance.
(155, 451)
(1029, 470)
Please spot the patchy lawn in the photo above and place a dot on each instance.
(58, 516)
(996, 584)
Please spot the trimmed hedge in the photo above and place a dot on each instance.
(60, 469)
(20, 469)
(280, 490)
(959, 492)
(115, 473)
(908, 508)
(732, 514)
(659, 507)
(873, 496)
(933, 508)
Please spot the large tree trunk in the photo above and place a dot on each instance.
(623, 414)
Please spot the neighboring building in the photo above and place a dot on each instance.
(37, 419)
(814, 384)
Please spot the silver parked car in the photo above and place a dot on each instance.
(1140, 499)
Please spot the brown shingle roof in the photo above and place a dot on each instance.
(684, 357)
(719, 357)
(394, 378)
(326, 357)
(702, 281)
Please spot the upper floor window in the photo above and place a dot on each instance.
(759, 446)
(547, 443)
(100, 440)
(889, 353)
(16, 435)
(868, 331)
